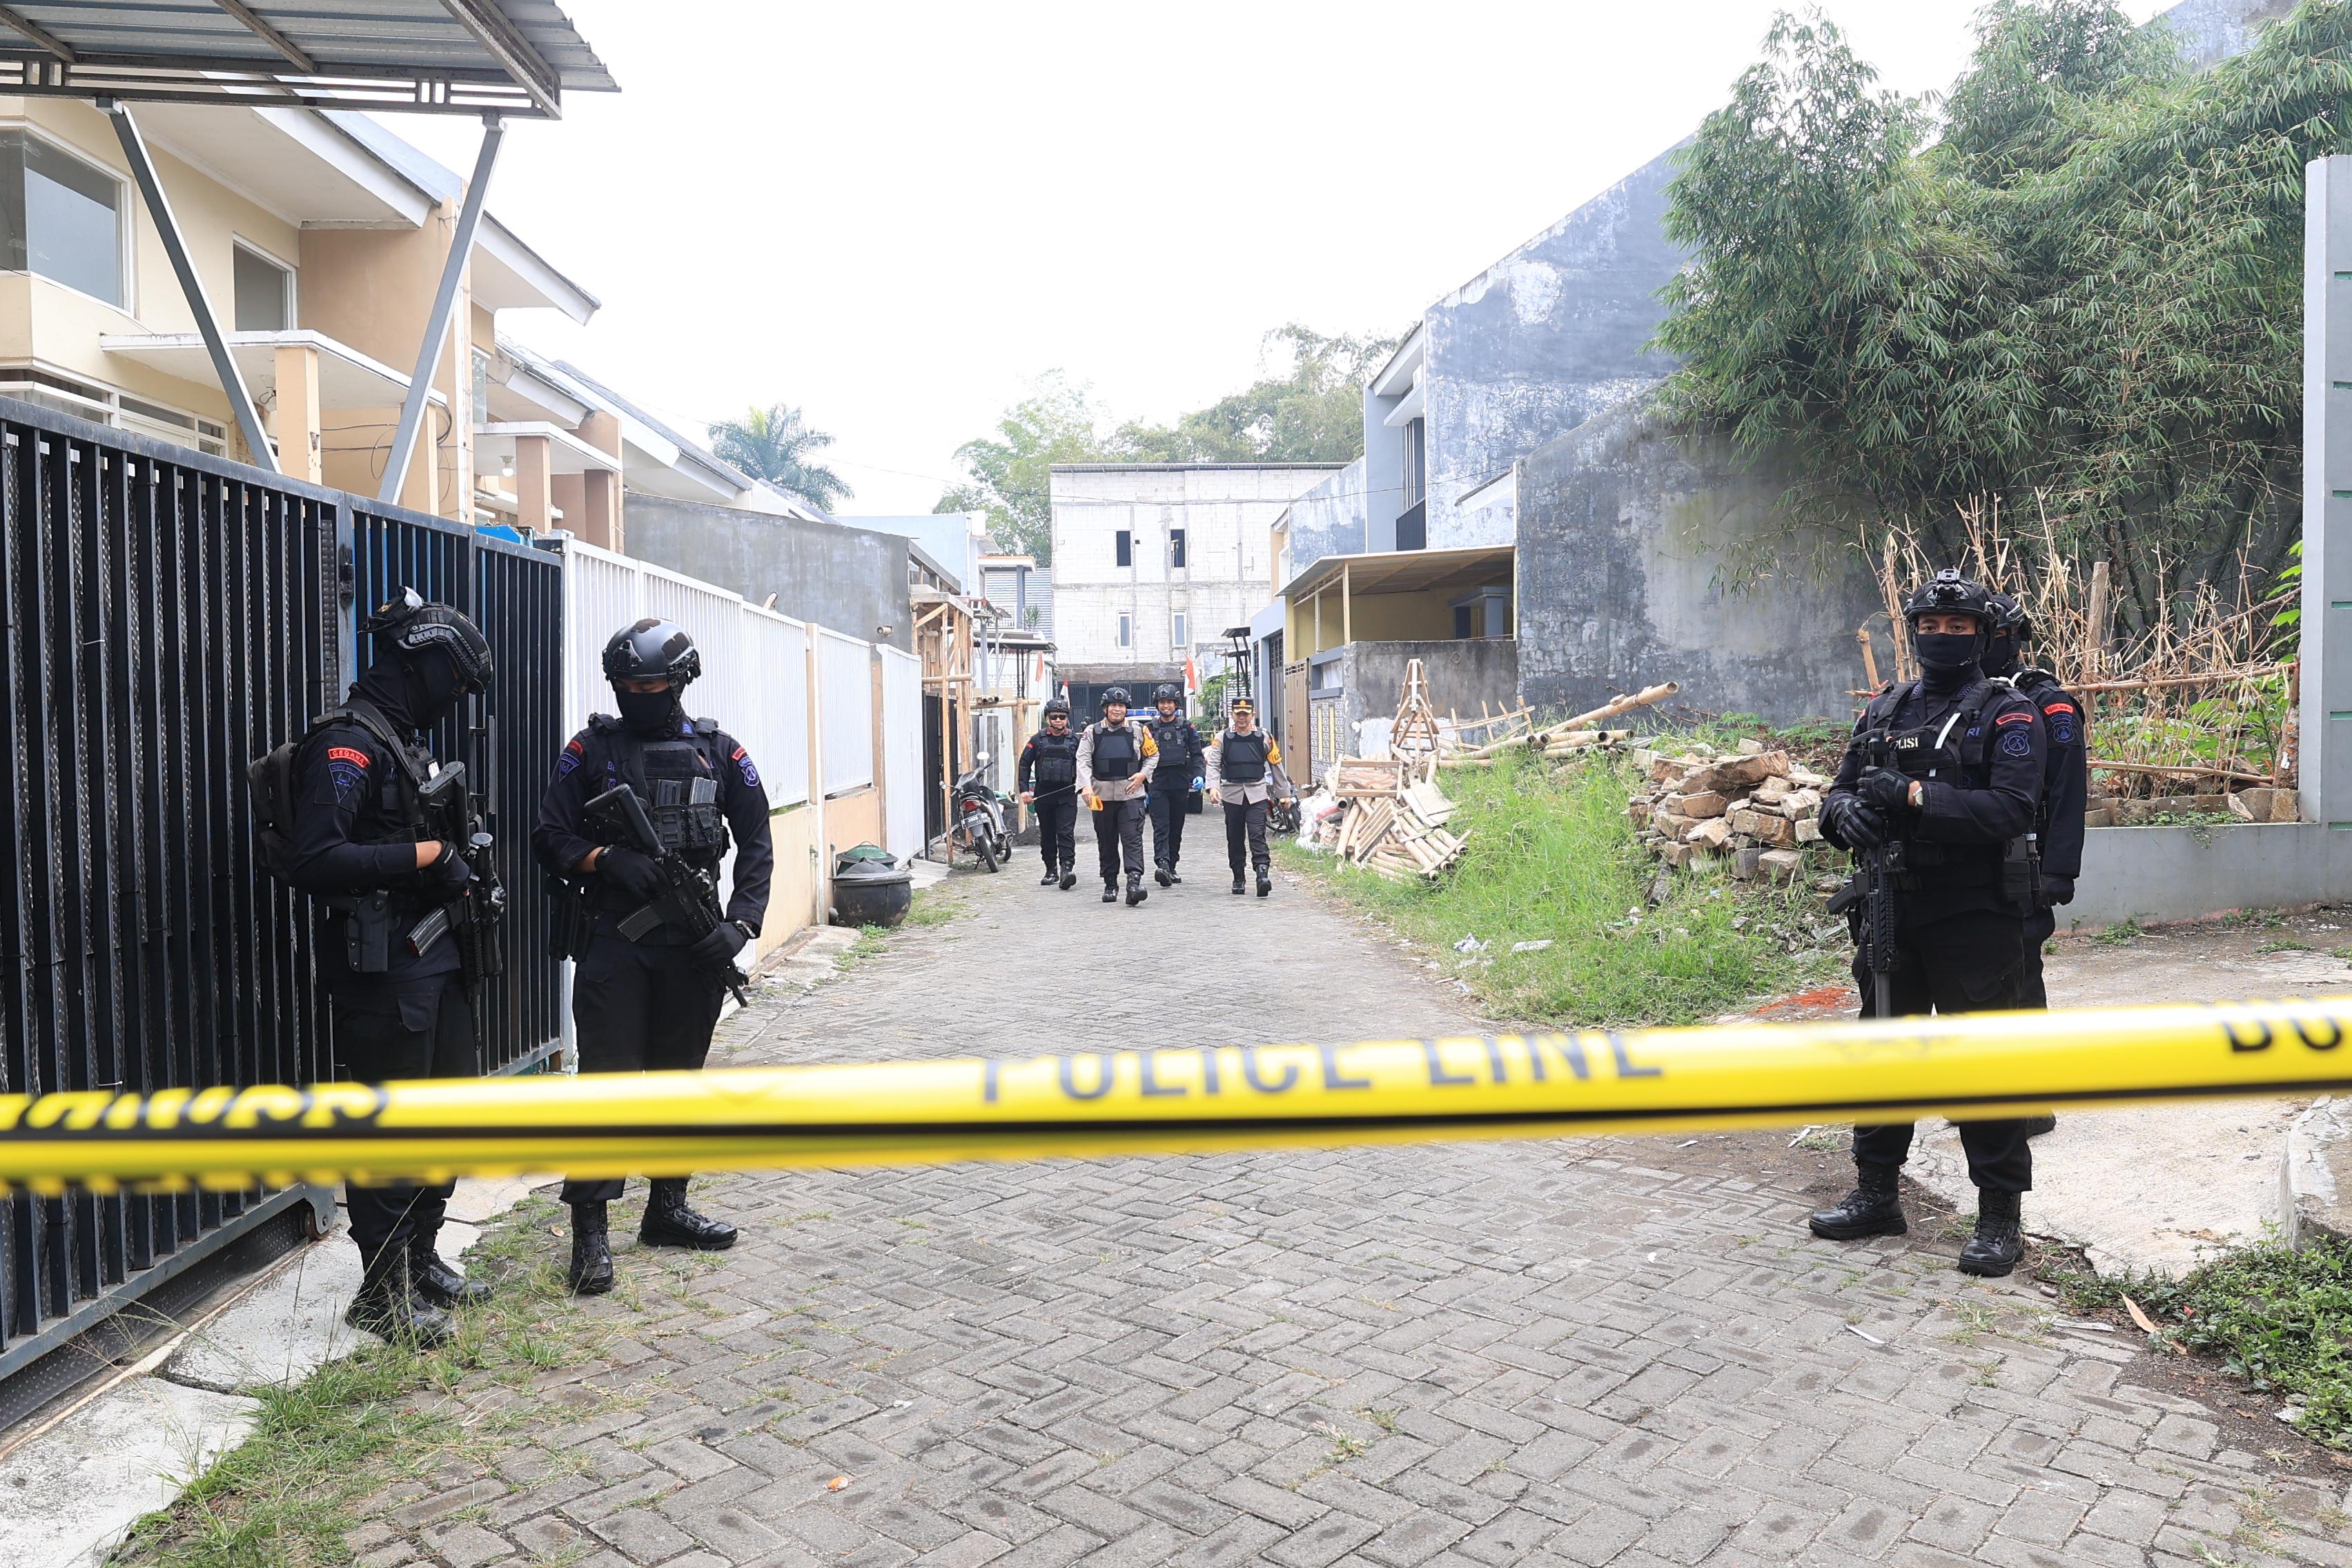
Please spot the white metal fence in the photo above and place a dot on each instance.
(902, 750)
(845, 674)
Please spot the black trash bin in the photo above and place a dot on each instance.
(870, 887)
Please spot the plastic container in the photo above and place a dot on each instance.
(870, 887)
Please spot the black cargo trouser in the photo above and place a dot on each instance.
(1167, 809)
(389, 1030)
(1119, 835)
(1245, 827)
(1968, 963)
(639, 1008)
(2030, 992)
(1057, 828)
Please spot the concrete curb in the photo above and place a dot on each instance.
(2315, 1177)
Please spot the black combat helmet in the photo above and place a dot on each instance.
(1057, 706)
(1115, 694)
(411, 624)
(1164, 692)
(653, 649)
(2010, 616)
(1949, 593)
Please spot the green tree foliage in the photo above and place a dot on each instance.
(2081, 287)
(1312, 412)
(775, 444)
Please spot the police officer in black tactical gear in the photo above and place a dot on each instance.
(1047, 778)
(1959, 793)
(1174, 781)
(386, 953)
(650, 1005)
(2065, 727)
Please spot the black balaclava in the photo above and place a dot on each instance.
(2000, 655)
(415, 690)
(1948, 661)
(650, 712)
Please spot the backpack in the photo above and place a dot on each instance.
(272, 786)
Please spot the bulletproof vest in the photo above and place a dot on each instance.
(1117, 755)
(397, 816)
(1245, 757)
(1177, 752)
(1057, 759)
(677, 777)
(1956, 748)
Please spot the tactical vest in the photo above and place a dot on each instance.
(1180, 755)
(677, 777)
(1243, 759)
(1956, 749)
(1117, 755)
(1057, 760)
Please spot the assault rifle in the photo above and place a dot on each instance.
(1880, 866)
(688, 899)
(473, 917)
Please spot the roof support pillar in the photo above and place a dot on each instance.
(300, 438)
(159, 208)
(436, 325)
(535, 483)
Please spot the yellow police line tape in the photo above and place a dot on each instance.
(1088, 1104)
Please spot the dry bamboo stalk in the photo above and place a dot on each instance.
(2209, 678)
(2095, 646)
(1616, 705)
(2169, 770)
(1869, 655)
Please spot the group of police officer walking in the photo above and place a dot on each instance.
(1975, 775)
(1974, 769)
(1125, 768)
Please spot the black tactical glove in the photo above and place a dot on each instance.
(633, 874)
(449, 874)
(715, 949)
(1883, 790)
(2057, 890)
(1848, 823)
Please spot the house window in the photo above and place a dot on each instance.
(1123, 547)
(1462, 626)
(1176, 548)
(1416, 461)
(265, 293)
(60, 217)
(1176, 637)
(1126, 628)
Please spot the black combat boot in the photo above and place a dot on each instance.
(2035, 1126)
(1135, 891)
(1069, 881)
(1874, 1208)
(1050, 876)
(440, 1284)
(669, 1223)
(1162, 875)
(1264, 882)
(1240, 886)
(2000, 1240)
(1110, 892)
(390, 1306)
(1174, 878)
(590, 1273)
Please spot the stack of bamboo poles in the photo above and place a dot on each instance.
(1571, 737)
(1395, 819)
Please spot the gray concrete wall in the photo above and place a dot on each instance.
(1541, 342)
(2152, 874)
(1329, 519)
(1622, 529)
(1462, 674)
(853, 579)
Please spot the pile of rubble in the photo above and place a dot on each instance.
(1388, 816)
(1754, 807)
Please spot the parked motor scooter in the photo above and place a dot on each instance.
(980, 817)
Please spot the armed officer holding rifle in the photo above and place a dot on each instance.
(1938, 792)
(382, 835)
(636, 821)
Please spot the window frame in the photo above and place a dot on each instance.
(1122, 549)
(126, 230)
(1125, 629)
(1176, 630)
(1176, 551)
(263, 253)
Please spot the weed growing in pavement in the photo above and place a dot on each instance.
(2121, 934)
(1552, 858)
(290, 1491)
(931, 907)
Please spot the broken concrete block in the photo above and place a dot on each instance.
(1771, 791)
(1706, 803)
(1802, 803)
(1745, 772)
(2285, 806)
(1711, 834)
(1744, 864)
(1637, 812)
(1751, 747)
(1781, 865)
(1809, 829)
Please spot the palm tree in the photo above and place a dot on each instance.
(772, 444)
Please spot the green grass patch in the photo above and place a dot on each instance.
(1551, 857)
(286, 1496)
(931, 907)
(2277, 1318)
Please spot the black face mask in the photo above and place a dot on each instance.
(648, 712)
(433, 689)
(2000, 655)
(1947, 660)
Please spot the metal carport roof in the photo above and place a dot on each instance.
(469, 56)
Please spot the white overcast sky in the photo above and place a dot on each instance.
(895, 215)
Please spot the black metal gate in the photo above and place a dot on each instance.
(164, 617)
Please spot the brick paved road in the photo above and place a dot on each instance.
(1607, 1353)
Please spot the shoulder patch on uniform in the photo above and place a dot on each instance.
(2017, 743)
(742, 759)
(2058, 708)
(351, 754)
(573, 753)
(347, 768)
(2015, 716)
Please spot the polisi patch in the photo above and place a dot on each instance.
(742, 759)
(2014, 719)
(2017, 743)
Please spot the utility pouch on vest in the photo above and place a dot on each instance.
(574, 924)
(2020, 874)
(367, 931)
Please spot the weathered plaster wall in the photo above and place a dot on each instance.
(1621, 526)
(852, 580)
(1461, 675)
(1327, 521)
(1542, 341)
